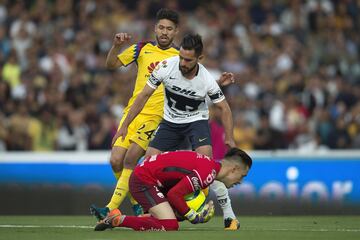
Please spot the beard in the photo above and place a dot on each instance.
(185, 70)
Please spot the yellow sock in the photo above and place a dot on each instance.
(117, 175)
(132, 200)
(121, 189)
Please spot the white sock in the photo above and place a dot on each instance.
(223, 199)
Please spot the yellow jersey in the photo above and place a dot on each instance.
(146, 55)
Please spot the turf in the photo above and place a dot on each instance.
(270, 227)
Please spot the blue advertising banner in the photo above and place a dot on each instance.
(303, 179)
(325, 178)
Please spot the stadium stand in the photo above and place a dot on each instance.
(297, 67)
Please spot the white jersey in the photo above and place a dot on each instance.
(184, 98)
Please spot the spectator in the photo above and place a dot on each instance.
(52, 56)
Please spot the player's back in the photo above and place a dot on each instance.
(168, 168)
(147, 56)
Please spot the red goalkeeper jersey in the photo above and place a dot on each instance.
(178, 173)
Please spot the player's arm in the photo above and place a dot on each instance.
(135, 109)
(218, 98)
(227, 122)
(112, 60)
(152, 84)
(176, 198)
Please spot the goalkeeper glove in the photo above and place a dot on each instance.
(202, 216)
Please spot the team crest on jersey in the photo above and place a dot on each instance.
(152, 66)
(164, 64)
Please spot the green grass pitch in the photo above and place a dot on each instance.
(254, 227)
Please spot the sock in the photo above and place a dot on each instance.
(121, 189)
(149, 224)
(117, 175)
(223, 199)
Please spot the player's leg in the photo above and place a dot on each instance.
(166, 138)
(201, 140)
(152, 151)
(118, 152)
(206, 150)
(223, 199)
(198, 133)
(126, 149)
(142, 223)
(122, 186)
(116, 160)
(139, 137)
(161, 216)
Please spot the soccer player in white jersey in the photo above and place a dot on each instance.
(187, 83)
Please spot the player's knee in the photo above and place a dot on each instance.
(130, 162)
(152, 151)
(116, 163)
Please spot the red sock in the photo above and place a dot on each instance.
(149, 224)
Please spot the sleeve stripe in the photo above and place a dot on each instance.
(218, 100)
(201, 182)
(191, 184)
(151, 85)
(138, 48)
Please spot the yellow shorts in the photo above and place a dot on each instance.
(140, 131)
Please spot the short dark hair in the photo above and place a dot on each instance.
(193, 42)
(238, 154)
(168, 14)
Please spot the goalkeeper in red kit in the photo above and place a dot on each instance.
(160, 183)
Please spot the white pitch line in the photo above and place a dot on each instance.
(303, 230)
(48, 226)
(193, 229)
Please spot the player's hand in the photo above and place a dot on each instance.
(120, 38)
(226, 78)
(122, 132)
(230, 143)
(203, 216)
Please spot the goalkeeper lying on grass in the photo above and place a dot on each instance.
(160, 183)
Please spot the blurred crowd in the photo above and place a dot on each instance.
(296, 64)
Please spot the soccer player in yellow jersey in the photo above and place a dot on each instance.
(147, 55)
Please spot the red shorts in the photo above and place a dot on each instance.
(147, 195)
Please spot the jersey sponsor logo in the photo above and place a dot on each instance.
(196, 182)
(210, 178)
(178, 102)
(183, 91)
(152, 66)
